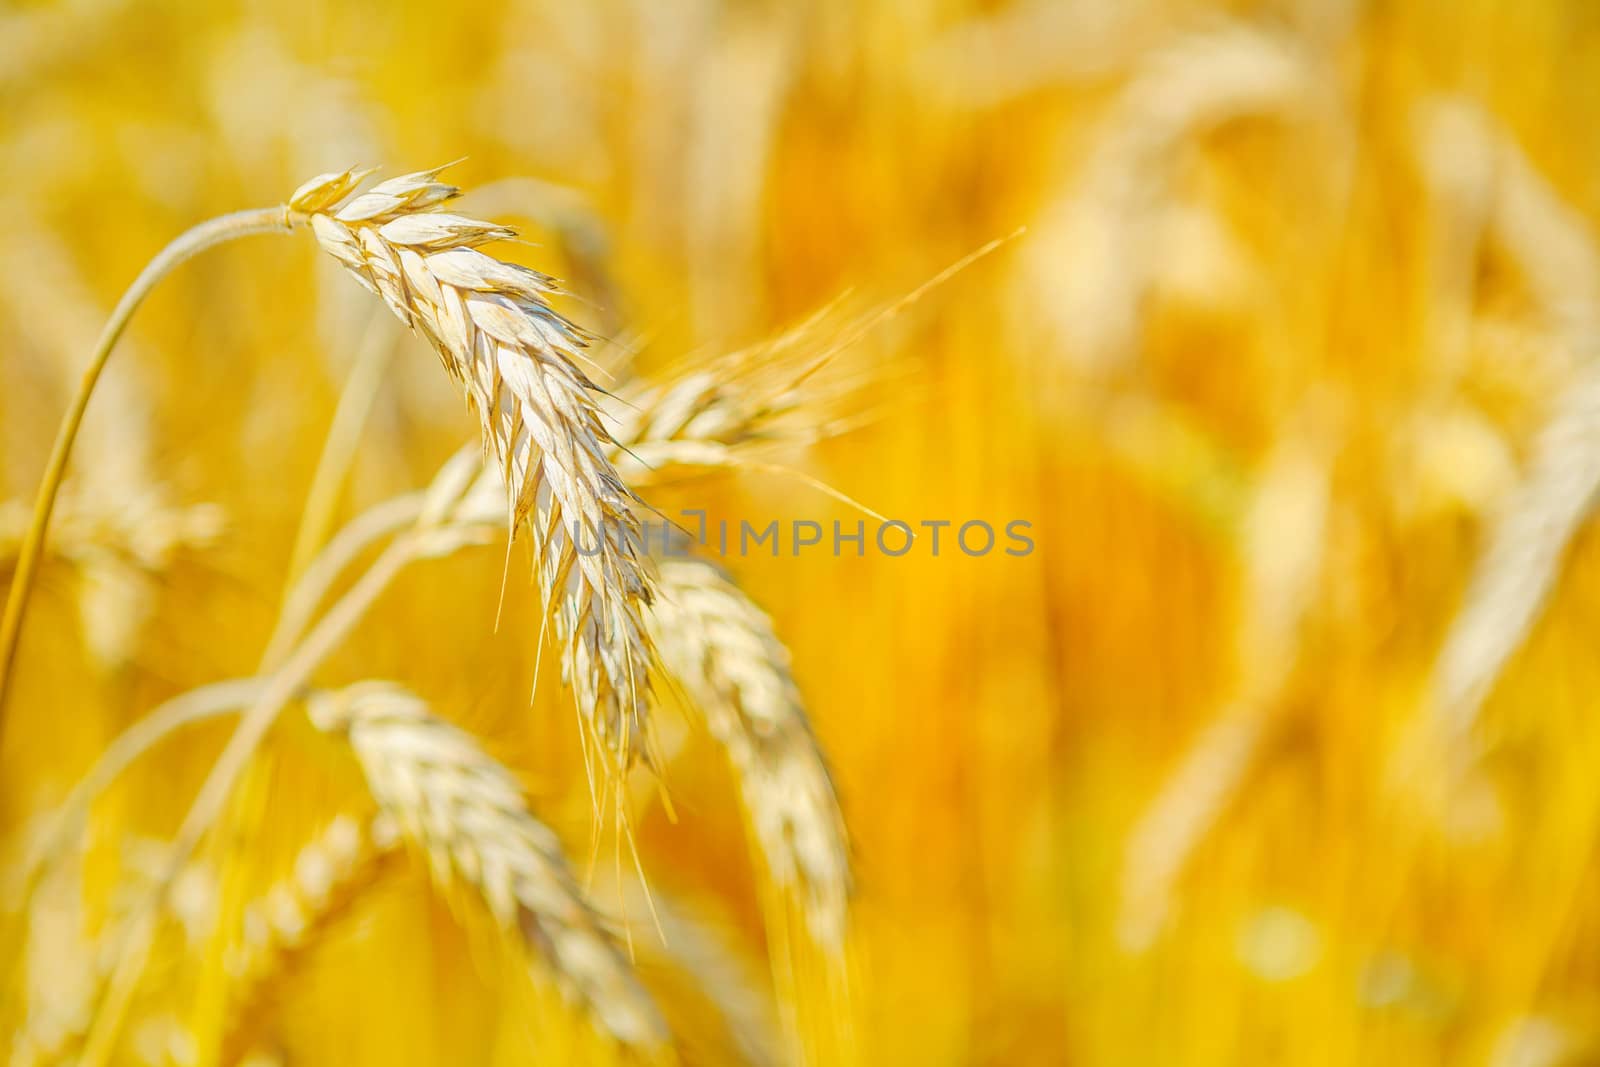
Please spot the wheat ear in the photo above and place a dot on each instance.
(207, 806)
(1554, 249)
(1095, 253)
(465, 813)
(1526, 545)
(328, 875)
(722, 648)
(440, 521)
(516, 359)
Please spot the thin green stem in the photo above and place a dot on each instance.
(186, 246)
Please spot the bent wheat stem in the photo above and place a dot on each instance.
(185, 247)
(208, 803)
(300, 605)
(196, 705)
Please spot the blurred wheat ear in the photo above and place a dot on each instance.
(722, 648)
(288, 920)
(465, 813)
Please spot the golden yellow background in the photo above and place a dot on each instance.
(1298, 283)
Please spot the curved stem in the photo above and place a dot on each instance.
(186, 246)
(197, 705)
(278, 691)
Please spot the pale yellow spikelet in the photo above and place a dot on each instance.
(750, 406)
(1093, 255)
(517, 360)
(1526, 545)
(701, 418)
(1500, 198)
(722, 649)
(289, 918)
(465, 813)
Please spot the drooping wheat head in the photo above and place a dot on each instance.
(465, 813)
(517, 360)
(722, 649)
(287, 920)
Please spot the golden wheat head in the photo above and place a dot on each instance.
(465, 812)
(516, 358)
(723, 650)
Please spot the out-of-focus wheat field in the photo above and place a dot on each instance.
(1279, 747)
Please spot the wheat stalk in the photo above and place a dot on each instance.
(449, 514)
(207, 806)
(722, 649)
(117, 522)
(465, 813)
(483, 333)
(1283, 535)
(182, 248)
(516, 359)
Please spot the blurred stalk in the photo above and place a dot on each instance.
(135, 941)
(344, 434)
(186, 246)
(197, 705)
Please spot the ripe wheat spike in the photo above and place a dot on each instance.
(465, 813)
(517, 360)
(722, 649)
